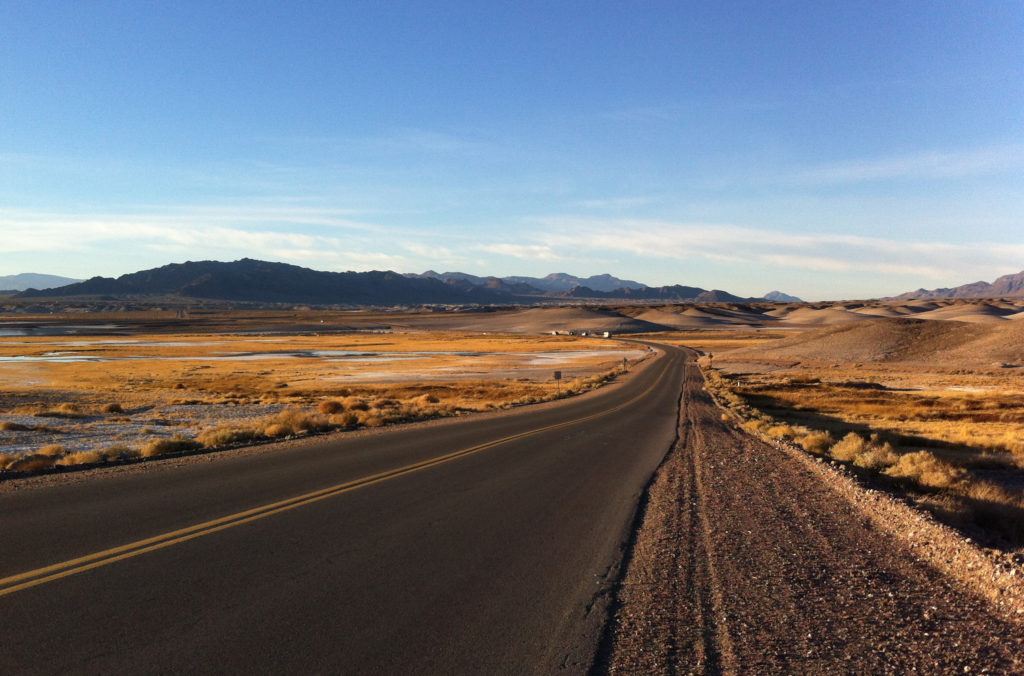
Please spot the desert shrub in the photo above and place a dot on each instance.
(176, 444)
(877, 456)
(278, 430)
(112, 408)
(355, 404)
(849, 447)
(295, 420)
(10, 426)
(817, 442)
(347, 419)
(330, 407)
(227, 434)
(6, 459)
(53, 450)
(781, 432)
(82, 457)
(426, 400)
(65, 410)
(373, 421)
(928, 470)
(119, 452)
(755, 426)
(33, 462)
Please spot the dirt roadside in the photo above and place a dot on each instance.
(752, 559)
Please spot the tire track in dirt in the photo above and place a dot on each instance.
(748, 562)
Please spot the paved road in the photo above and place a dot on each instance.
(351, 555)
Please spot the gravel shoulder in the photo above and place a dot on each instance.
(754, 558)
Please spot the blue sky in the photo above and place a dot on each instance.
(830, 150)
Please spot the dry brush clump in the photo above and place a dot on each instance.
(176, 444)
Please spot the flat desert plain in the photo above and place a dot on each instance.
(109, 388)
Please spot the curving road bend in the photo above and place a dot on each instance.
(488, 545)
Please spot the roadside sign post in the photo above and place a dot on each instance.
(558, 382)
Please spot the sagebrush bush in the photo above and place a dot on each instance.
(817, 442)
(82, 457)
(53, 450)
(781, 432)
(355, 404)
(877, 456)
(330, 407)
(176, 444)
(928, 470)
(227, 434)
(33, 462)
(847, 449)
(112, 408)
(10, 426)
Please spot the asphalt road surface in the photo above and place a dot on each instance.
(481, 546)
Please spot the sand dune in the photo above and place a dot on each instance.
(821, 316)
(967, 312)
(936, 342)
(537, 320)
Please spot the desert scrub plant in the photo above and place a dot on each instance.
(330, 407)
(877, 456)
(781, 432)
(65, 410)
(755, 426)
(119, 452)
(82, 458)
(353, 403)
(925, 469)
(113, 407)
(176, 444)
(32, 462)
(223, 435)
(6, 459)
(346, 419)
(11, 426)
(52, 450)
(849, 447)
(817, 442)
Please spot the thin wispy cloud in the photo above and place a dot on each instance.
(929, 165)
(206, 232)
(524, 251)
(762, 248)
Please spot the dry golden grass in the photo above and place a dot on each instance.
(32, 462)
(176, 444)
(929, 431)
(307, 374)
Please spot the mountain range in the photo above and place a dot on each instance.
(31, 280)
(249, 280)
(1007, 286)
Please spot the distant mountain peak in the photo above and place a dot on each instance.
(34, 280)
(780, 297)
(1007, 286)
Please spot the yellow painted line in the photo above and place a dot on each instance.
(33, 578)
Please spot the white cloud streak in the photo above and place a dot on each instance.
(836, 253)
(931, 165)
(524, 251)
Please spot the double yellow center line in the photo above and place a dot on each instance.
(33, 578)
